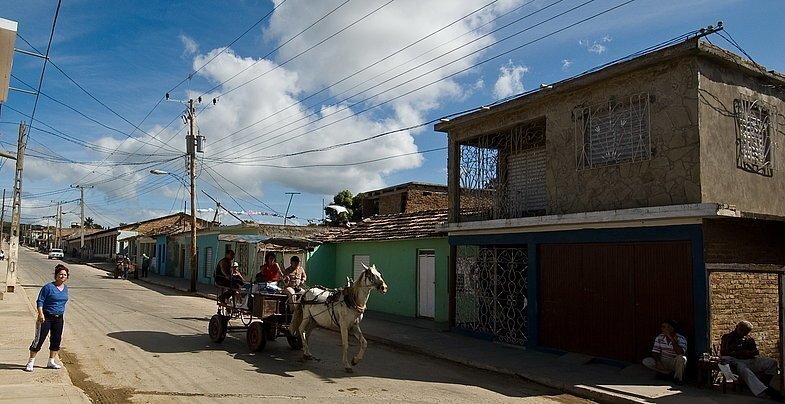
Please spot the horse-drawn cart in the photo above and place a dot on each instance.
(262, 314)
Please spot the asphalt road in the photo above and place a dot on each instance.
(135, 342)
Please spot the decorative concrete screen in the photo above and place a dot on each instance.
(491, 292)
(753, 136)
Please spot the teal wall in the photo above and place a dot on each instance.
(397, 260)
(206, 269)
(320, 266)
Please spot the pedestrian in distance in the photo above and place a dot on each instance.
(126, 266)
(51, 307)
(145, 265)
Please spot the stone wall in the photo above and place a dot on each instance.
(670, 177)
(747, 296)
(721, 180)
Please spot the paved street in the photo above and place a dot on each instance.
(135, 342)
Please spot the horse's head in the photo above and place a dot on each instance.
(371, 277)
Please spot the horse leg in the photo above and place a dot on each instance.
(345, 348)
(305, 332)
(363, 344)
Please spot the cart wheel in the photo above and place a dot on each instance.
(217, 328)
(295, 342)
(255, 337)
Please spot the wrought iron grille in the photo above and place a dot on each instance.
(753, 136)
(613, 132)
(502, 175)
(241, 256)
(491, 292)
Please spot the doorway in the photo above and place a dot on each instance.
(426, 273)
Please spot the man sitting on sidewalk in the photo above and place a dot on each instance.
(668, 355)
(739, 349)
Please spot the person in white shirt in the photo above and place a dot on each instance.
(669, 353)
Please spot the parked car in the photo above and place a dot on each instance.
(2, 255)
(55, 253)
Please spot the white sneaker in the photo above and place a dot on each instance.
(29, 367)
(53, 365)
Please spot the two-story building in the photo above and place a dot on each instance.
(585, 213)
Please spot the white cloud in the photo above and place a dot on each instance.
(566, 63)
(266, 117)
(510, 80)
(598, 46)
(190, 46)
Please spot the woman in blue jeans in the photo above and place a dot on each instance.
(51, 307)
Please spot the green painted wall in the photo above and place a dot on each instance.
(397, 260)
(320, 266)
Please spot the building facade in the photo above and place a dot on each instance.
(608, 202)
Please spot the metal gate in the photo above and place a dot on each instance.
(491, 292)
(608, 300)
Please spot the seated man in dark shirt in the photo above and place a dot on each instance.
(739, 348)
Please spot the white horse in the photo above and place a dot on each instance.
(342, 310)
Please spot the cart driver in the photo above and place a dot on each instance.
(294, 278)
(223, 274)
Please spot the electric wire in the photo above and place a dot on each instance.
(249, 149)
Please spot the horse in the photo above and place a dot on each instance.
(342, 309)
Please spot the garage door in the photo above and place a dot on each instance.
(608, 300)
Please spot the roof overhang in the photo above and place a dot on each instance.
(7, 40)
(671, 215)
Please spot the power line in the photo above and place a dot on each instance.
(348, 107)
(249, 149)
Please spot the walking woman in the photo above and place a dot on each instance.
(51, 307)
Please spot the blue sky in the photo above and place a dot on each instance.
(312, 75)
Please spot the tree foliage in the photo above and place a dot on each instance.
(89, 223)
(351, 203)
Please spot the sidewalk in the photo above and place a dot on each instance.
(17, 315)
(576, 374)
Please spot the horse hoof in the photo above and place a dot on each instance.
(355, 362)
(307, 357)
(349, 370)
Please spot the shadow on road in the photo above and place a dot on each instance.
(380, 361)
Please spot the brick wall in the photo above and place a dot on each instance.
(737, 296)
(744, 241)
(390, 204)
(417, 201)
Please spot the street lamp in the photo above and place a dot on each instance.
(193, 224)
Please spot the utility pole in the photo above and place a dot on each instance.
(81, 214)
(2, 221)
(286, 215)
(191, 145)
(13, 250)
(59, 224)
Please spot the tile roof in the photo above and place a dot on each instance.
(400, 226)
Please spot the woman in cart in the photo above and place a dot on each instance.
(269, 273)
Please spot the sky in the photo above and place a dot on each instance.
(310, 97)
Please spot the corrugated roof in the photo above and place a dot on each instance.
(400, 226)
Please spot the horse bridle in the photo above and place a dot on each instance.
(377, 284)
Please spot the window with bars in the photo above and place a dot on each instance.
(753, 136)
(613, 132)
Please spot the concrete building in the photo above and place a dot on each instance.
(605, 203)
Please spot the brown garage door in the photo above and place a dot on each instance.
(608, 300)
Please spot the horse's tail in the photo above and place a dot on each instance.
(297, 319)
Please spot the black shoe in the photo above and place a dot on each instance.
(774, 394)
